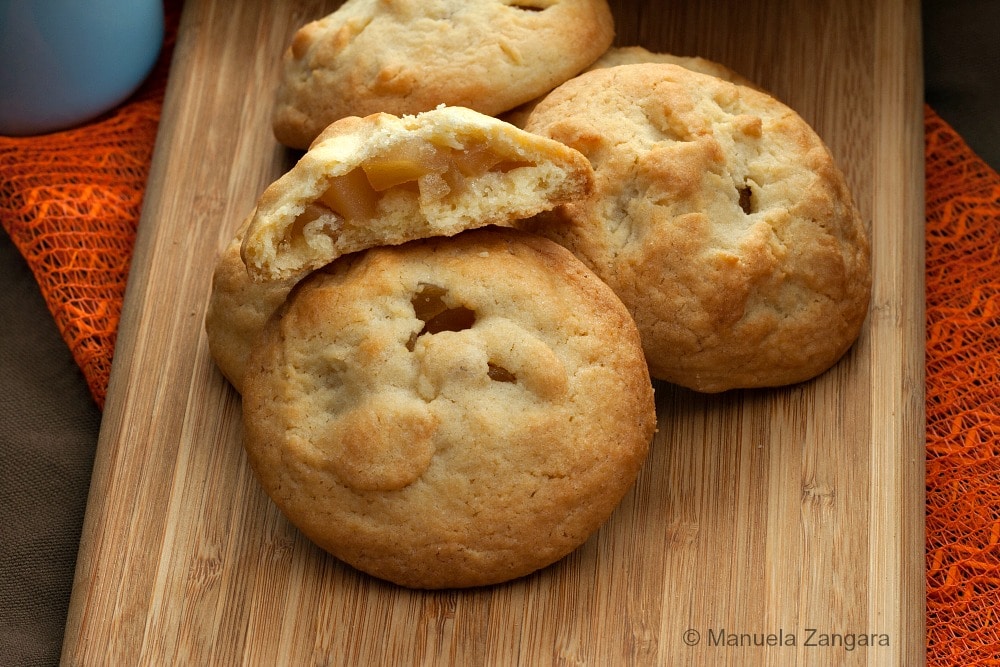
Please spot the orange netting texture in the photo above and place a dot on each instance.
(963, 401)
(70, 202)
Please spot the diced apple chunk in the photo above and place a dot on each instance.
(385, 174)
(478, 159)
(351, 196)
(406, 162)
(475, 159)
(498, 373)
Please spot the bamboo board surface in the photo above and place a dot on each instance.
(796, 512)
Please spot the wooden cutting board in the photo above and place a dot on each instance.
(777, 517)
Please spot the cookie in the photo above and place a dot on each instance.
(237, 309)
(719, 218)
(451, 412)
(409, 56)
(386, 180)
(631, 55)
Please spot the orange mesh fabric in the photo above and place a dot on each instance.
(963, 402)
(70, 202)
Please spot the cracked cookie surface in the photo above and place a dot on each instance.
(632, 55)
(719, 218)
(449, 412)
(407, 56)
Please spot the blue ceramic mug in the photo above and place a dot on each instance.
(63, 62)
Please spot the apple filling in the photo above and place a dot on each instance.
(421, 167)
(430, 308)
(746, 198)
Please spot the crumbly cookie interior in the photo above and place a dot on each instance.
(385, 180)
(415, 173)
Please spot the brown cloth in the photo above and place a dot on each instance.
(45, 465)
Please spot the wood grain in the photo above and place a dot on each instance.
(771, 512)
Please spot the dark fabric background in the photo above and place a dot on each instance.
(962, 70)
(48, 432)
(49, 424)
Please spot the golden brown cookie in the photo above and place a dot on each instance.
(720, 219)
(451, 412)
(408, 56)
(237, 310)
(385, 180)
(631, 55)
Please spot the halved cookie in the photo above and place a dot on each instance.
(384, 180)
(449, 412)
